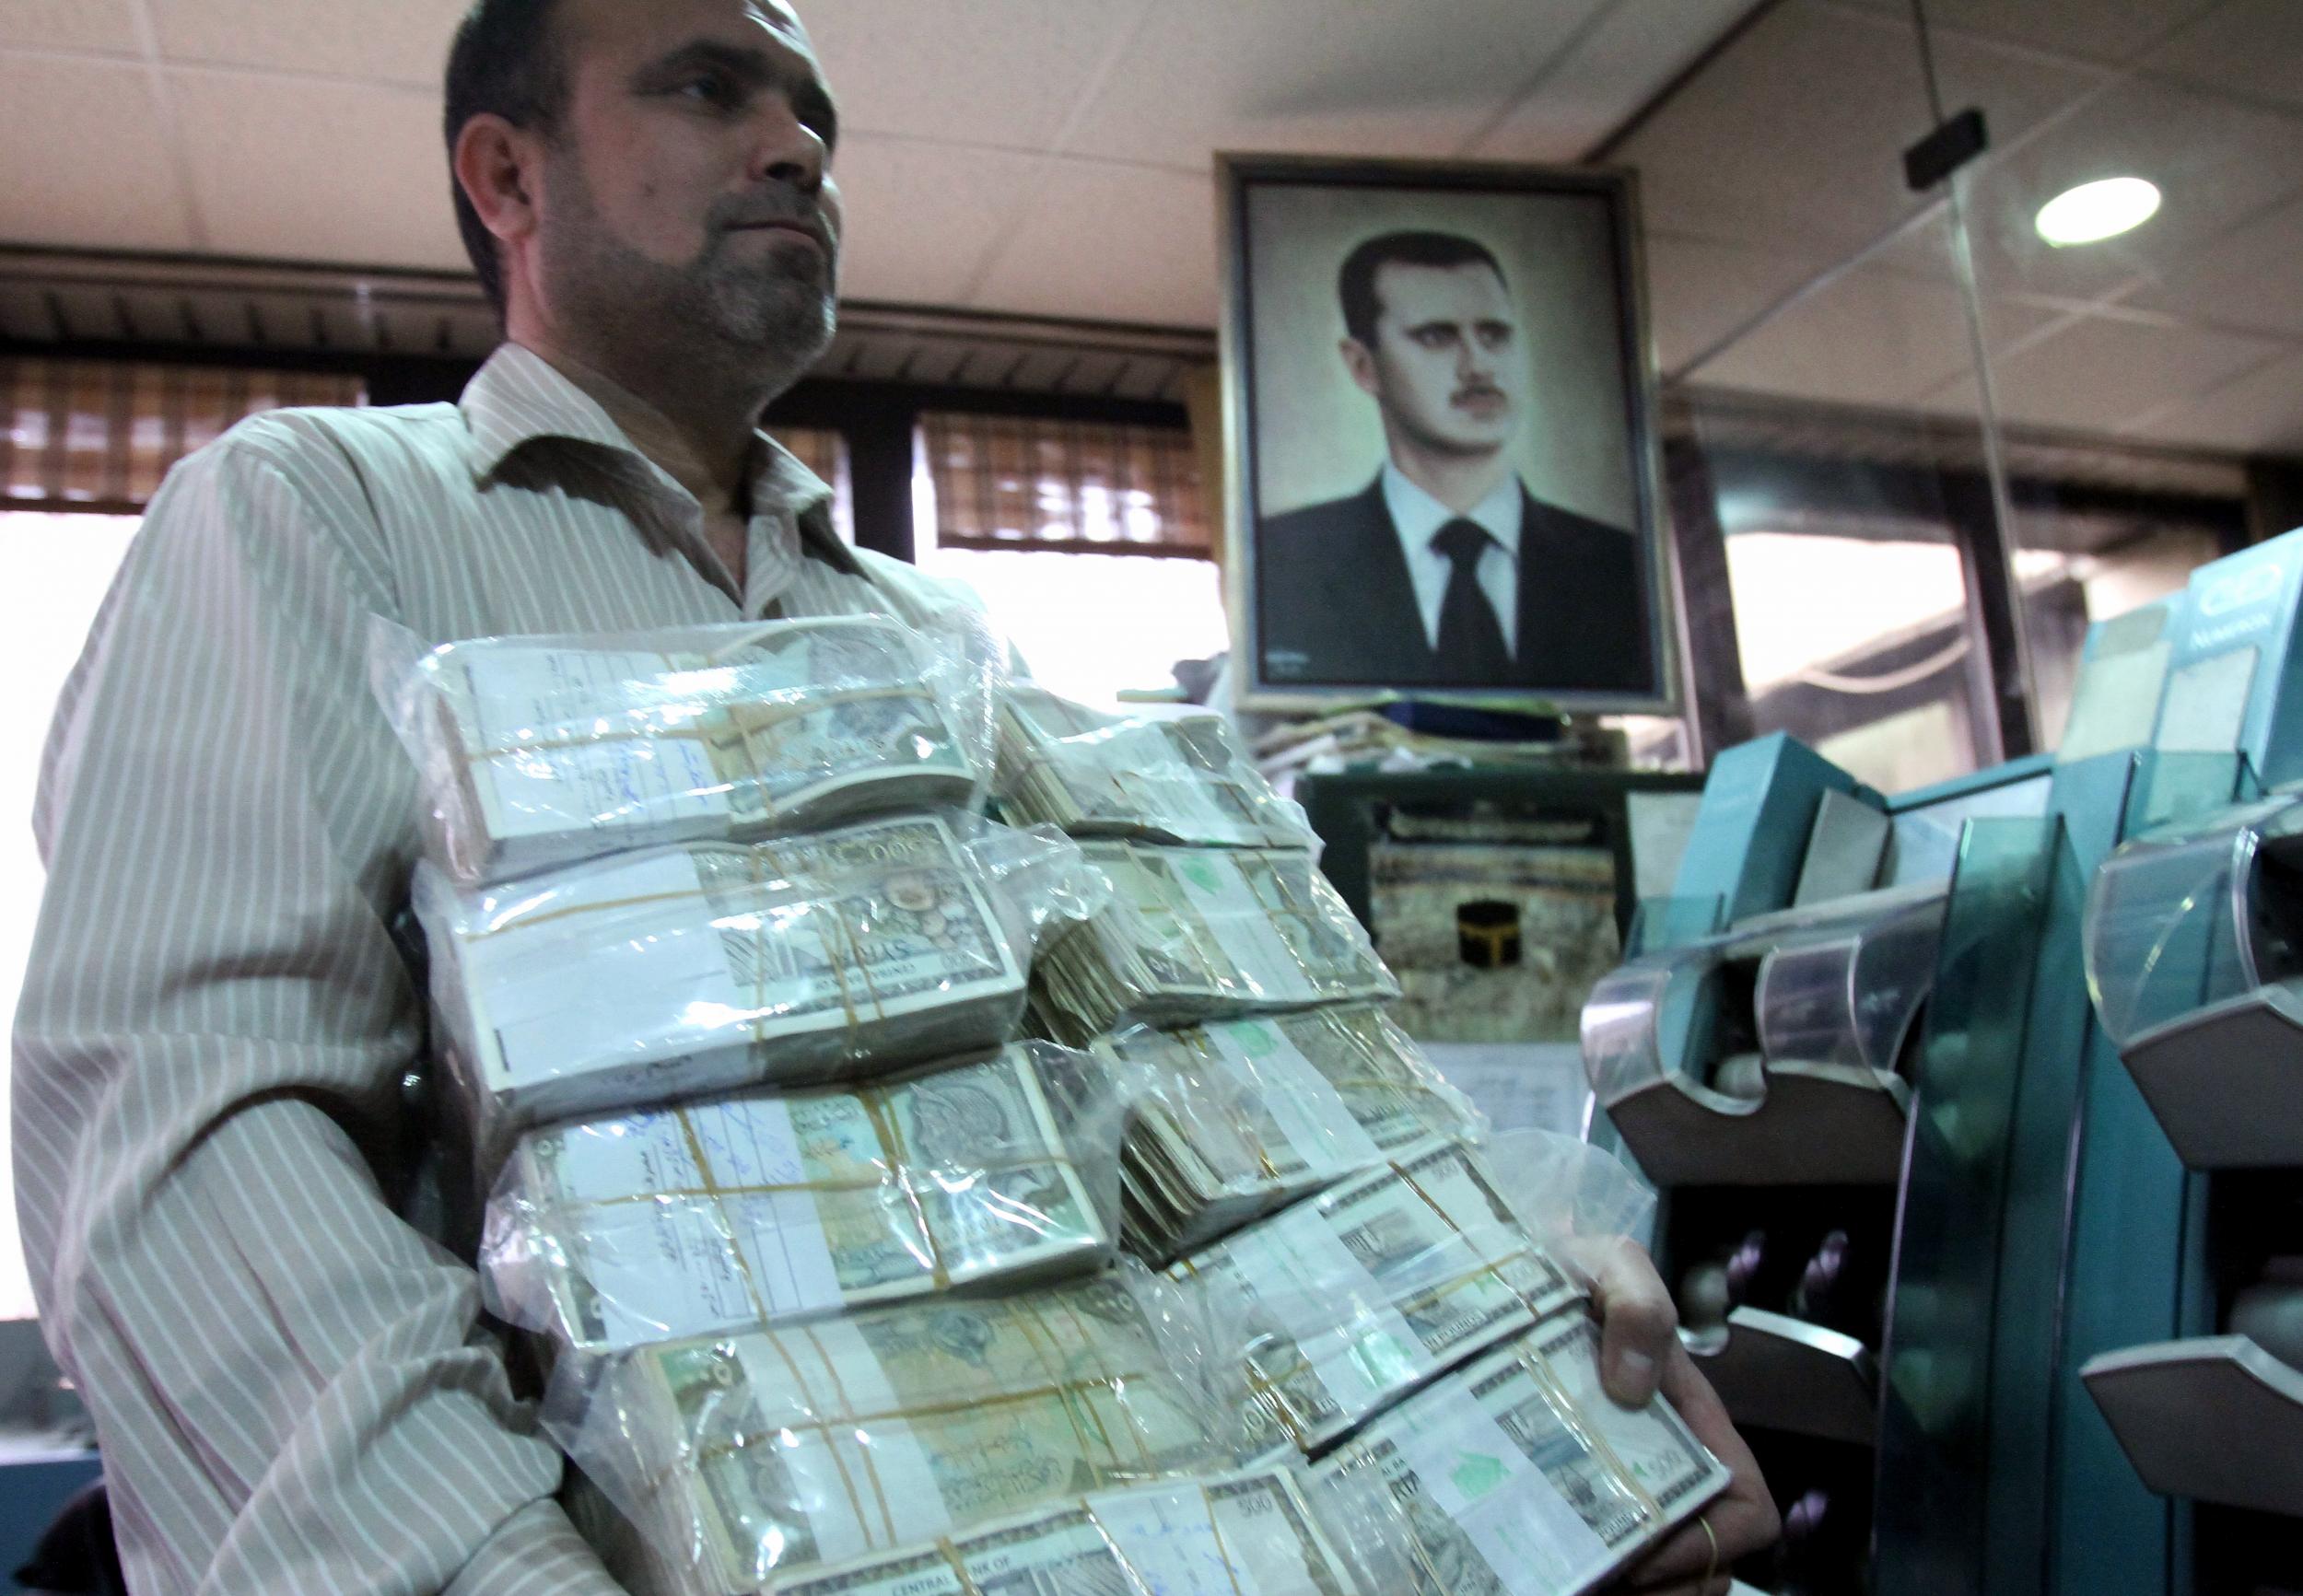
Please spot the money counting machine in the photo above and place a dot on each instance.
(1978, 1115)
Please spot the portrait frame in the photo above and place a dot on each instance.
(1603, 306)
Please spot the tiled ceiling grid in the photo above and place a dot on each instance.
(1045, 156)
(1050, 158)
(1787, 258)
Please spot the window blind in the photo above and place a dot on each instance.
(1031, 483)
(99, 436)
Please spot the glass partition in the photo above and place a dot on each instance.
(1934, 442)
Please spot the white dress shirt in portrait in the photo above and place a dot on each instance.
(1418, 516)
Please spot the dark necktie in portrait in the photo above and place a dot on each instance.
(1339, 604)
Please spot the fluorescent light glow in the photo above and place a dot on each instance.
(2096, 211)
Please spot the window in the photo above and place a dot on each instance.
(99, 436)
(824, 451)
(1087, 543)
(83, 447)
(1006, 482)
(1860, 646)
(59, 567)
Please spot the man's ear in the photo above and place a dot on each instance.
(1359, 361)
(497, 164)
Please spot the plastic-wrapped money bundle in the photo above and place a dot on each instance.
(756, 1209)
(1516, 1475)
(682, 972)
(543, 751)
(1240, 1534)
(741, 1460)
(1246, 1116)
(1354, 1299)
(1194, 934)
(1183, 780)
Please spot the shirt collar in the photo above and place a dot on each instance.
(520, 398)
(1419, 516)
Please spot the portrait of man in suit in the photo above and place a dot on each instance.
(1447, 569)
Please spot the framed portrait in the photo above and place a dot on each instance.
(1440, 417)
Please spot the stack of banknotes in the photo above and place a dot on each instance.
(1226, 1534)
(538, 751)
(762, 1454)
(1516, 1473)
(681, 971)
(1244, 1116)
(825, 1263)
(1248, 1534)
(1197, 934)
(1185, 781)
(759, 1208)
(1352, 1300)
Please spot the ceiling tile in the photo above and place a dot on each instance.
(60, 121)
(107, 25)
(373, 189)
(2104, 30)
(1871, 337)
(2247, 279)
(2099, 373)
(1614, 71)
(2217, 162)
(1320, 75)
(406, 41)
(2261, 413)
(1003, 72)
(1757, 148)
(922, 218)
(1124, 243)
(2242, 46)
(1700, 291)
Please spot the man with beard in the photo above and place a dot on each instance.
(220, 1183)
(1446, 571)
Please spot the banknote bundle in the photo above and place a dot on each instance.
(1184, 780)
(757, 1209)
(1247, 1534)
(543, 751)
(1516, 1475)
(1351, 1300)
(1194, 934)
(677, 972)
(744, 1459)
(1250, 1533)
(1241, 1117)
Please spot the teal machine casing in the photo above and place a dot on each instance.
(2055, 1222)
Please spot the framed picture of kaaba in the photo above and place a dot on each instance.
(1440, 423)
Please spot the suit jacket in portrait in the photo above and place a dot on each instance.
(1335, 607)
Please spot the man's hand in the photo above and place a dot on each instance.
(1640, 1354)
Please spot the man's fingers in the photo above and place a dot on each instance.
(1638, 1326)
(1741, 1521)
(1686, 1388)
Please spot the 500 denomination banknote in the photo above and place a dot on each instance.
(1518, 1476)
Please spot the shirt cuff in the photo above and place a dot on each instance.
(536, 1552)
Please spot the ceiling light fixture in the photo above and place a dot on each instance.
(2096, 211)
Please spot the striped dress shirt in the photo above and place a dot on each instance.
(292, 1384)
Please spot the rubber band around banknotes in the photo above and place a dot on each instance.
(1126, 1566)
(951, 1555)
(1093, 1438)
(757, 857)
(1572, 1420)
(896, 1160)
(1496, 1266)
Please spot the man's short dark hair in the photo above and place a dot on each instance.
(1363, 307)
(505, 62)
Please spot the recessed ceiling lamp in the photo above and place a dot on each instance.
(2096, 211)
